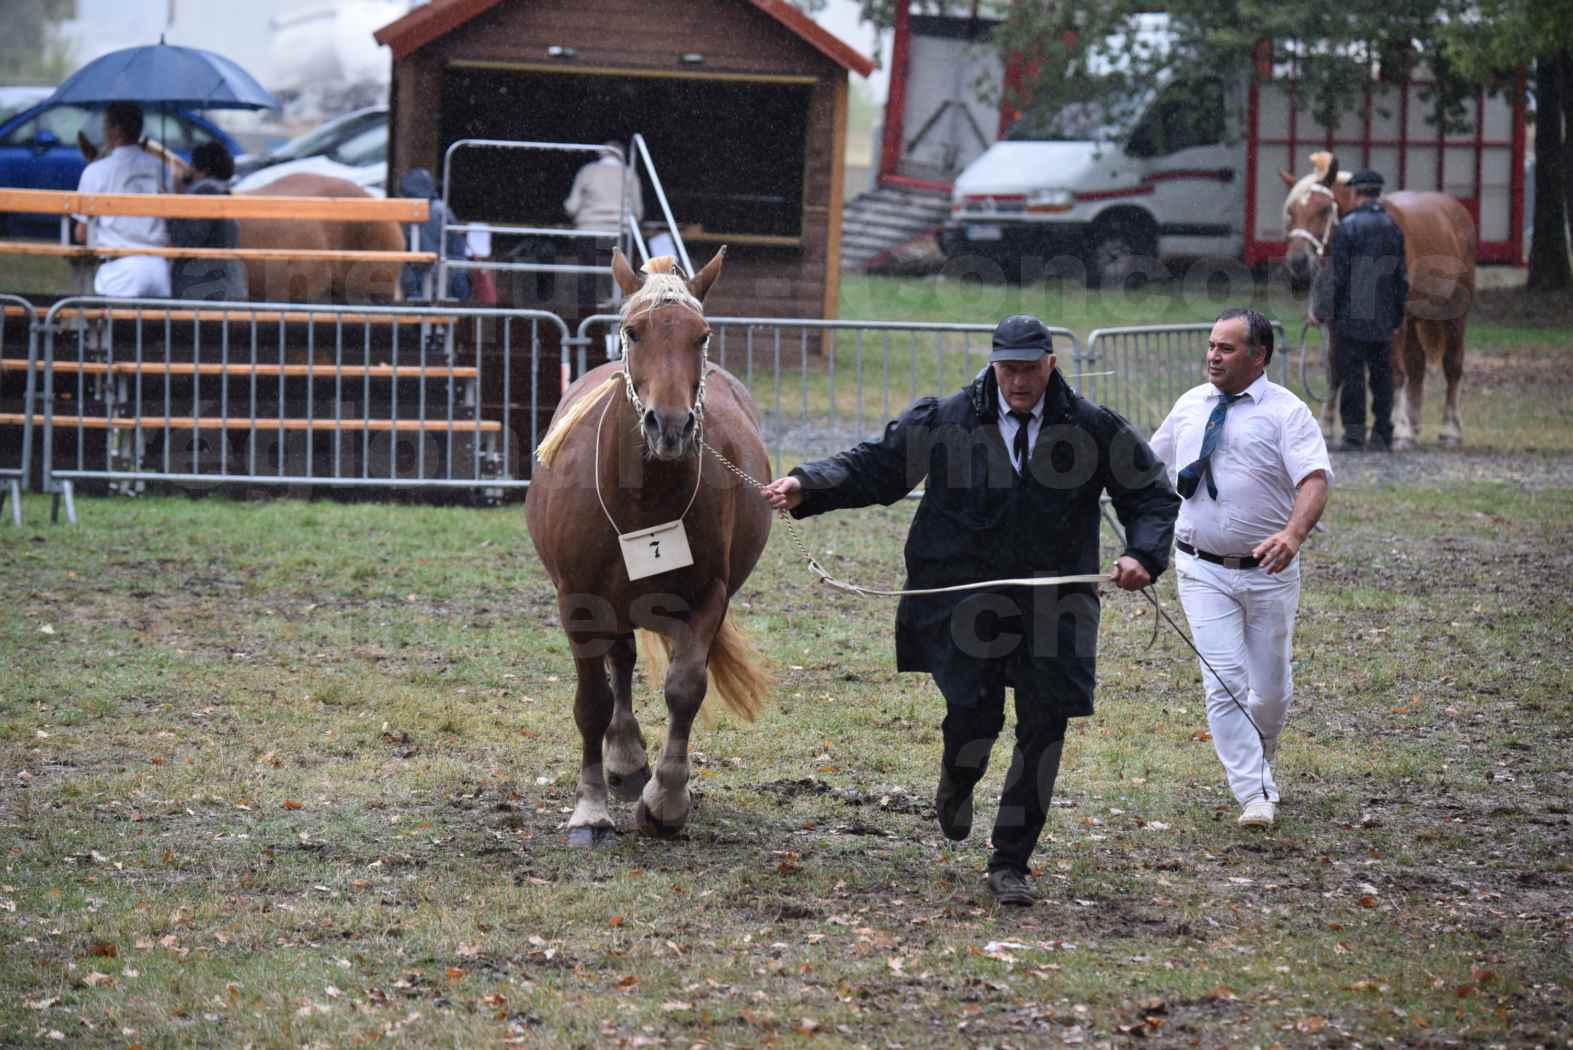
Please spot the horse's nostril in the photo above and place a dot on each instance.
(649, 419)
(693, 420)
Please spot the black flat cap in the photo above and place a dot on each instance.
(1020, 337)
(1365, 179)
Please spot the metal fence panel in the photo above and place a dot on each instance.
(1140, 371)
(824, 385)
(18, 356)
(280, 394)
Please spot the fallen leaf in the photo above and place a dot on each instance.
(103, 949)
(290, 803)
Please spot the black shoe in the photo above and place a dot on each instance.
(1351, 445)
(953, 806)
(1011, 887)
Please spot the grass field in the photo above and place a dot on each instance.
(296, 774)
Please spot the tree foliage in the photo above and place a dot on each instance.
(31, 50)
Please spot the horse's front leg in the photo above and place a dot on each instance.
(1452, 432)
(1409, 378)
(1329, 418)
(663, 807)
(591, 823)
(627, 769)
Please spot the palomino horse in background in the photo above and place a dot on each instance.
(628, 451)
(1440, 250)
(300, 280)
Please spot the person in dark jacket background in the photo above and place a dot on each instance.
(1015, 464)
(417, 182)
(1367, 283)
(220, 279)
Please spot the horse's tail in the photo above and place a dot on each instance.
(737, 671)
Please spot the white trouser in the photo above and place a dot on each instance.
(1242, 621)
(133, 277)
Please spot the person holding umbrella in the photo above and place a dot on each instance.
(158, 75)
(125, 168)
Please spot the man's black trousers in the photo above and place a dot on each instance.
(971, 726)
(1354, 357)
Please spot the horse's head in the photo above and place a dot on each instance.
(664, 337)
(1311, 211)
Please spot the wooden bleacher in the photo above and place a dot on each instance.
(99, 338)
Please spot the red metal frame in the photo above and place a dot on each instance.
(896, 100)
(1509, 250)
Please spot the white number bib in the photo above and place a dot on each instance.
(658, 549)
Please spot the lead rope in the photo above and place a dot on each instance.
(1036, 581)
(871, 592)
(1159, 610)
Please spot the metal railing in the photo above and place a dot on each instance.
(280, 394)
(1140, 371)
(14, 476)
(823, 385)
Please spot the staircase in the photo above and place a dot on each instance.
(892, 229)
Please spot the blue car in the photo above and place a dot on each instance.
(38, 151)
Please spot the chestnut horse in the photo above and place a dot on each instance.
(635, 445)
(296, 280)
(1439, 253)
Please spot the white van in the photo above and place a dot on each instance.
(1120, 197)
(1196, 174)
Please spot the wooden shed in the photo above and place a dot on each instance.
(743, 104)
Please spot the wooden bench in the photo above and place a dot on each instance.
(217, 206)
(72, 422)
(244, 315)
(74, 251)
(244, 370)
(66, 203)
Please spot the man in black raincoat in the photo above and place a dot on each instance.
(1015, 465)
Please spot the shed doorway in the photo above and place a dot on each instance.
(729, 152)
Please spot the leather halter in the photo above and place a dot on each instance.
(1319, 244)
(667, 297)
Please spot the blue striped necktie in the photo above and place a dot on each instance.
(1191, 475)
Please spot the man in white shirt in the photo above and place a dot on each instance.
(595, 202)
(125, 168)
(1254, 482)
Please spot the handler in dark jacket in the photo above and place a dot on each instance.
(1015, 464)
(1369, 290)
(224, 279)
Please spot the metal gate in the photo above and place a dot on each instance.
(823, 385)
(208, 394)
(17, 326)
(1140, 371)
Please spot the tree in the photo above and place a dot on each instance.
(1486, 37)
(31, 50)
(1462, 44)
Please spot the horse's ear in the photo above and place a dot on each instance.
(1288, 177)
(1329, 174)
(624, 274)
(701, 283)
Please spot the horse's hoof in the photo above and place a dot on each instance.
(629, 787)
(590, 837)
(1402, 444)
(649, 824)
(1449, 440)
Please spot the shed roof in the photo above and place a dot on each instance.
(440, 17)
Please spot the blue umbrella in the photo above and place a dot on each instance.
(162, 74)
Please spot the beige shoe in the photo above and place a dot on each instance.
(1259, 813)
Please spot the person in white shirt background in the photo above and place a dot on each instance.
(595, 202)
(1255, 481)
(125, 168)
